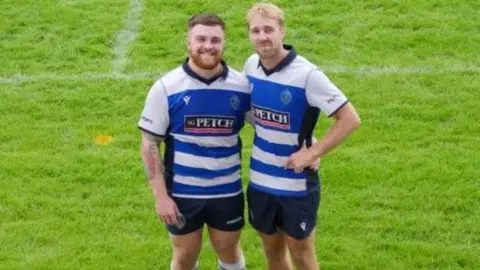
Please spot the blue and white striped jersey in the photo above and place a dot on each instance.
(286, 103)
(200, 120)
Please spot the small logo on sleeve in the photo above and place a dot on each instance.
(148, 120)
(332, 99)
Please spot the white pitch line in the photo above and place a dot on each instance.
(360, 71)
(20, 78)
(375, 70)
(126, 36)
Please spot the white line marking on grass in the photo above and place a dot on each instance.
(361, 71)
(375, 70)
(126, 36)
(19, 78)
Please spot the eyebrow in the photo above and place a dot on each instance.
(204, 36)
(263, 26)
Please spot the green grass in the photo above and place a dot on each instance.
(59, 36)
(402, 193)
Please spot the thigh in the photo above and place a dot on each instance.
(193, 210)
(301, 246)
(299, 214)
(226, 244)
(221, 239)
(275, 243)
(225, 214)
(187, 246)
(303, 251)
(262, 211)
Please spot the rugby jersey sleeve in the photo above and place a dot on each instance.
(155, 118)
(324, 94)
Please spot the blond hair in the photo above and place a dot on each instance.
(266, 10)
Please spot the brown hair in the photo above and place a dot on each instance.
(208, 19)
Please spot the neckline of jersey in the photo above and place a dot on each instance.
(208, 81)
(284, 63)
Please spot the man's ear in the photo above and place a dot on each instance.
(283, 30)
(187, 39)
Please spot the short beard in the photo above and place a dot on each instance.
(269, 54)
(197, 60)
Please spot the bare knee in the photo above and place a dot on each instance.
(226, 245)
(303, 253)
(185, 251)
(226, 249)
(276, 251)
(184, 258)
(303, 257)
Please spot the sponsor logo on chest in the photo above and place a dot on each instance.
(271, 118)
(209, 124)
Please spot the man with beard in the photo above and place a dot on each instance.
(288, 93)
(197, 110)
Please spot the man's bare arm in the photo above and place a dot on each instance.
(153, 163)
(165, 206)
(346, 121)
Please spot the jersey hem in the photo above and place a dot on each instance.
(213, 196)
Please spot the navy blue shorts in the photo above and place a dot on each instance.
(296, 216)
(224, 214)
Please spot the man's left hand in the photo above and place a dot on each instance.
(301, 159)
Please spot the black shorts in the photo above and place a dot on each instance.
(224, 214)
(296, 216)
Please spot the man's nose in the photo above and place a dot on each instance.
(208, 45)
(262, 36)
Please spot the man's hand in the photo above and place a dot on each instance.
(301, 159)
(167, 209)
(316, 164)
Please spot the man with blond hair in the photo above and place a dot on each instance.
(197, 110)
(288, 94)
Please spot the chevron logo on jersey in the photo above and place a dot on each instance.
(271, 118)
(209, 124)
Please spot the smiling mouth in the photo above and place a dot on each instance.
(208, 53)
